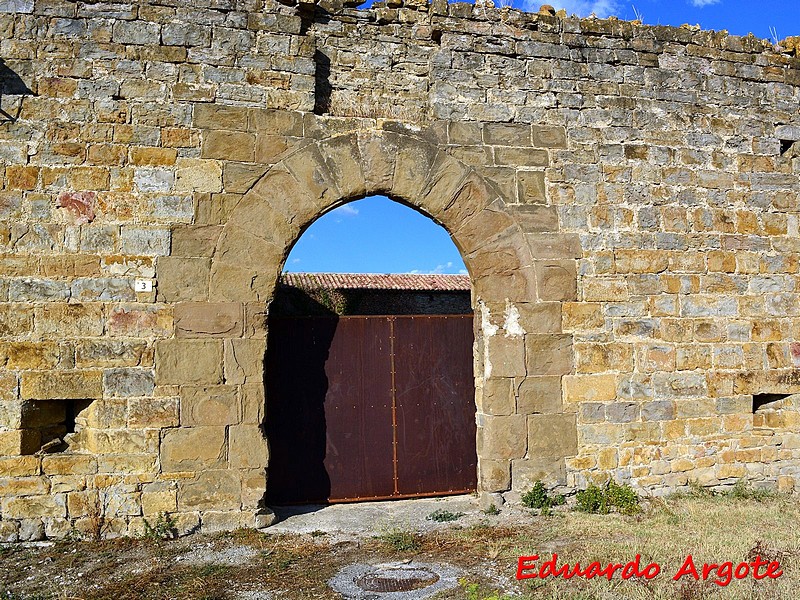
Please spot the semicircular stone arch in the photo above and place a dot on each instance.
(520, 352)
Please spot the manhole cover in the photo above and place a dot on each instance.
(397, 579)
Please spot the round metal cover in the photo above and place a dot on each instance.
(397, 579)
(393, 581)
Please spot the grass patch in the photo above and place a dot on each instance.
(400, 540)
(444, 516)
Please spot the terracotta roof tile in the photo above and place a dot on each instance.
(373, 281)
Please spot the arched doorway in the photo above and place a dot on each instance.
(369, 377)
(518, 338)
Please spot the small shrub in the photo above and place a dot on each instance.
(400, 540)
(612, 496)
(163, 529)
(473, 592)
(443, 516)
(537, 497)
(742, 490)
(492, 511)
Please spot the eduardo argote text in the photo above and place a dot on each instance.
(530, 567)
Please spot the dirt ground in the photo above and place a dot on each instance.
(294, 561)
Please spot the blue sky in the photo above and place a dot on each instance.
(739, 17)
(376, 235)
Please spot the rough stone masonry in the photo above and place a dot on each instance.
(625, 198)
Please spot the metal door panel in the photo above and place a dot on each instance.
(434, 390)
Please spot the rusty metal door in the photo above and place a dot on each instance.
(366, 408)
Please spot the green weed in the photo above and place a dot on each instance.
(611, 497)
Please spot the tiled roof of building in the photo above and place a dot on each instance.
(373, 281)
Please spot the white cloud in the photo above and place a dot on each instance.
(347, 209)
(583, 8)
(702, 3)
(295, 261)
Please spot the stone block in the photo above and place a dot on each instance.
(9, 530)
(92, 289)
(525, 472)
(589, 388)
(549, 137)
(137, 33)
(153, 413)
(597, 358)
(497, 397)
(31, 355)
(658, 410)
(126, 383)
(16, 319)
(159, 498)
(539, 317)
(229, 145)
(152, 157)
(19, 466)
(8, 386)
(505, 356)
(198, 175)
(557, 280)
(244, 360)
(622, 412)
(213, 521)
(552, 436)
(539, 395)
(144, 241)
(216, 116)
(38, 290)
(494, 475)
(605, 290)
(24, 486)
(69, 464)
(69, 320)
(195, 240)
(183, 279)
(507, 134)
(502, 437)
(209, 405)
(520, 157)
(531, 189)
(111, 353)
(140, 321)
(247, 447)
(16, 6)
(547, 246)
(548, 354)
(592, 412)
(188, 362)
(54, 385)
(536, 218)
(29, 507)
(148, 179)
(252, 402)
(581, 316)
(193, 449)
(210, 490)
(206, 319)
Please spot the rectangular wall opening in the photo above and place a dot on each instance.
(47, 424)
(762, 400)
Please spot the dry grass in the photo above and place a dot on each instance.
(712, 529)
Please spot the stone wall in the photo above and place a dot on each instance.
(625, 198)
